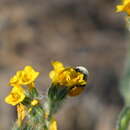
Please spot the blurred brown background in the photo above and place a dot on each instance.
(75, 32)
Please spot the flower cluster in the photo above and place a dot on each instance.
(27, 76)
(32, 113)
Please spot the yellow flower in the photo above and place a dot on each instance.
(66, 76)
(16, 96)
(24, 77)
(34, 102)
(125, 7)
(53, 125)
(21, 112)
(69, 77)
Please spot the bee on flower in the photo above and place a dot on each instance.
(73, 78)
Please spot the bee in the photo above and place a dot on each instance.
(83, 70)
(76, 90)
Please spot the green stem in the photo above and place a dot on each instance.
(124, 119)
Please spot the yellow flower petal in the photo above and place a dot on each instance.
(57, 65)
(52, 74)
(53, 125)
(119, 8)
(15, 79)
